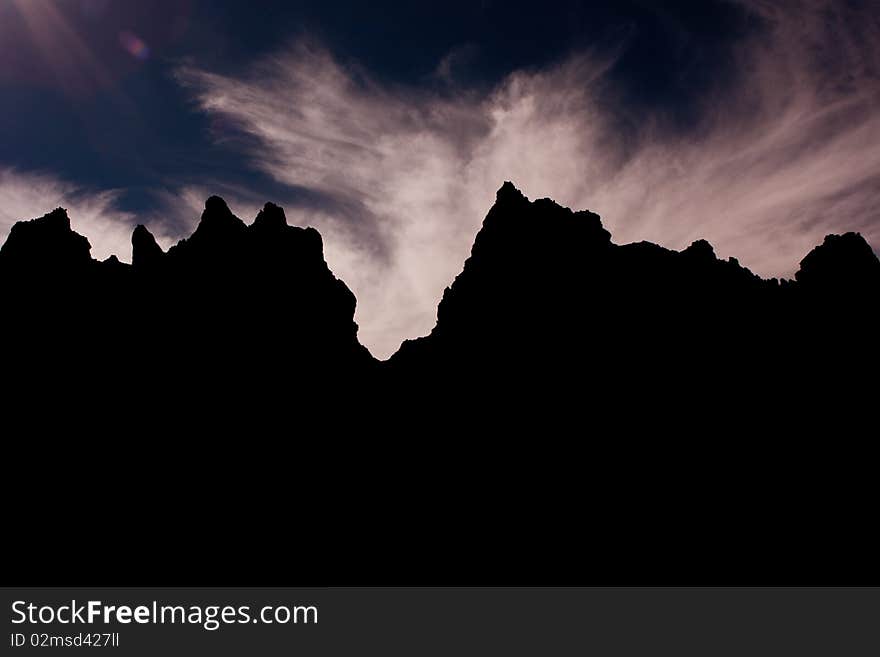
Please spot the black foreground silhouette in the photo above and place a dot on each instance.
(582, 412)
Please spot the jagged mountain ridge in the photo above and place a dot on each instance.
(538, 269)
(544, 292)
(252, 310)
(578, 405)
(224, 318)
(48, 245)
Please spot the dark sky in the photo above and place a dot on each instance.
(389, 125)
(107, 118)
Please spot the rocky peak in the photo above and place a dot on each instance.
(218, 235)
(144, 249)
(517, 228)
(270, 219)
(841, 261)
(217, 221)
(46, 242)
(700, 250)
(508, 193)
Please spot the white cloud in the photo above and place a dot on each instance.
(786, 153)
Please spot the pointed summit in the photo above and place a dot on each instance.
(508, 193)
(270, 218)
(219, 231)
(144, 249)
(516, 227)
(216, 205)
(217, 219)
(700, 250)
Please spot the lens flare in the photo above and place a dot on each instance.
(134, 45)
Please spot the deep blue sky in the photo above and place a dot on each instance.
(132, 127)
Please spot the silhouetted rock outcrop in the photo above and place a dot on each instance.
(43, 245)
(545, 296)
(843, 264)
(653, 414)
(233, 317)
(144, 249)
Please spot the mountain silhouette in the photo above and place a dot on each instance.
(227, 314)
(578, 405)
(548, 308)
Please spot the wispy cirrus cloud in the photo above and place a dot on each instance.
(401, 177)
